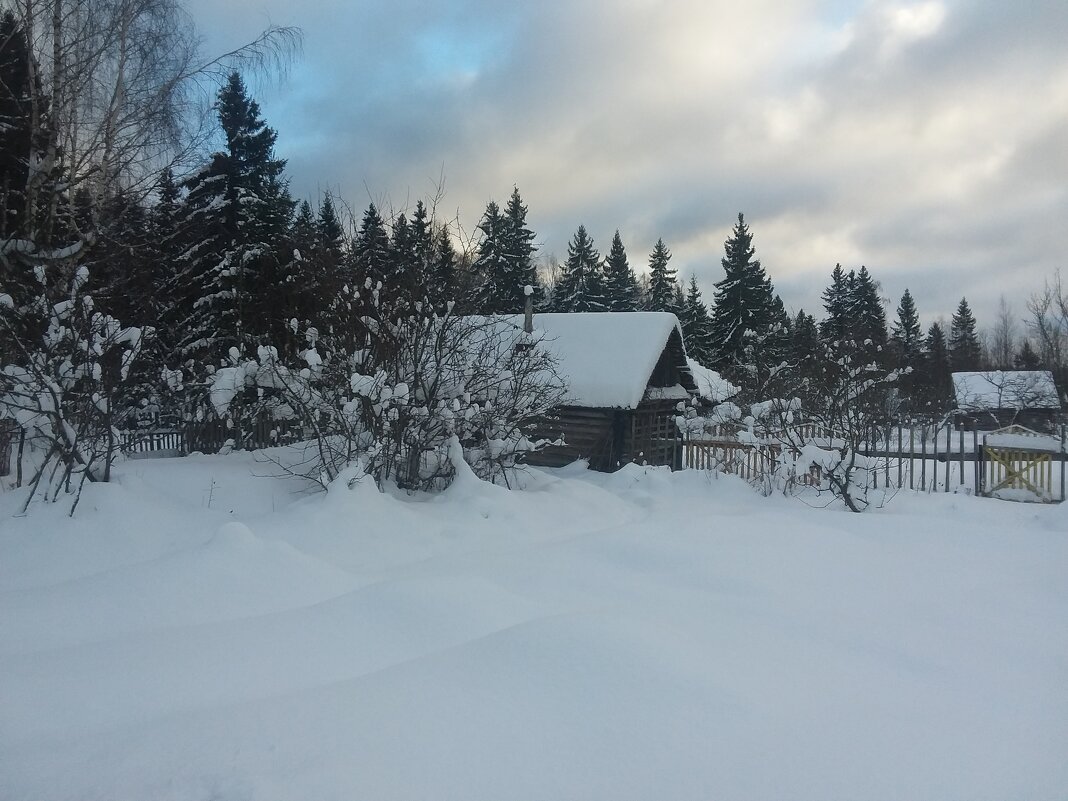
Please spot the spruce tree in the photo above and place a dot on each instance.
(837, 324)
(663, 287)
(16, 128)
(235, 213)
(422, 249)
(965, 353)
(1026, 358)
(743, 299)
(620, 285)
(806, 350)
(696, 324)
(305, 233)
(581, 285)
(331, 234)
(937, 388)
(302, 273)
(371, 252)
(443, 281)
(403, 282)
(907, 337)
(867, 314)
(491, 265)
(519, 249)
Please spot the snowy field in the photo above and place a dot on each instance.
(198, 633)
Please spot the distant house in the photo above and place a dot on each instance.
(625, 374)
(997, 398)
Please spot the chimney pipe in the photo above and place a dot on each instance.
(528, 310)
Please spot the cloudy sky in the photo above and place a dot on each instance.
(927, 140)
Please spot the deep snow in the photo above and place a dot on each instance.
(198, 632)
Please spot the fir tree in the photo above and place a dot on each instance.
(491, 265)
(305, 233)
(1026, 358)
(742, 303)
(965, 353)
(371, 252)
(696, 324)
(235, 213)
(422, 249)
(663, 287)
(937, 379)
(867, 315)
(16, 129)
(403, 283)
(331, 234)
(621, 287)
(837, 323)
(300, 284)
(443, 281)
(581, 285)
(907, 337)
(519, 249)
(806, 349)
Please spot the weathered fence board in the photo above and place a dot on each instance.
(925, 458)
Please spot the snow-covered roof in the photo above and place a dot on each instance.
(711, 385)
(606, 358)
(1005, 389)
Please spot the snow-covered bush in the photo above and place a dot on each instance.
(63, 372)
(395, 408)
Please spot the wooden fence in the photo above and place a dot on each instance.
(208, 437)
(924, 458)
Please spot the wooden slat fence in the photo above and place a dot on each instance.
(208, 437)
(931, 458)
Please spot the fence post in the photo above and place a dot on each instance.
(961, 446)
(886, 456)
(1062, 461)
(949, 452)
(923, 459)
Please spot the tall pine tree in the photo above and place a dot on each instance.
(965, 352)
(696, 324)
(936, 393)
(491, 266)
(907, 337)
(519, 253)
(743, 299)
(621, 287)
(581, 284)
(663, 287)
(235, 214)
(838, 322)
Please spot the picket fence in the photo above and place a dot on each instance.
(923, 458)
(208, 437)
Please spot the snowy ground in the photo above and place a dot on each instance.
(200, 633)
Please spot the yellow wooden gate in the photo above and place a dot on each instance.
(1018, 465)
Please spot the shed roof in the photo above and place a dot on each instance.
(1005, 389)
(606, 358)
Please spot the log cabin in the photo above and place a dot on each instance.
(625, 373)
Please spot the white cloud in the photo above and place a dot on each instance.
(924, 139)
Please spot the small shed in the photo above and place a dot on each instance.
(625, 374)
(992, 399)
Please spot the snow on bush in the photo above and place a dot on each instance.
(480, 380)
(64, 368)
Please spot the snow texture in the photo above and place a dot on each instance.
(606, 358)
(198, 632)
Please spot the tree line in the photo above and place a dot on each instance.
(136, 271)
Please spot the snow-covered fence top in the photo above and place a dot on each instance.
(1005, 389)
(606, 358)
